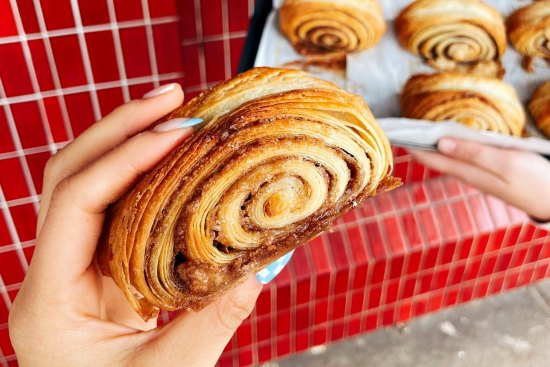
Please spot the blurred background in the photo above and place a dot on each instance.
(431, 244)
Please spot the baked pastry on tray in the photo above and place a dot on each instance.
(539, 107)
(325, 26)
(479, 102)
(280, 157)
(454, 35)
(529, 32)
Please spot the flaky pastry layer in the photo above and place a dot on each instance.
(280, 156)
(454, 35)
(529, 32)
(323, 26)
(539, 107)
(479, 102)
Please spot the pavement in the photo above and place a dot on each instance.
(508, 330)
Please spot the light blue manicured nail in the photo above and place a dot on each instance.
(178, 123)
(266, 275)
(191, 122)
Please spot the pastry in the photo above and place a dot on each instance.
(479, 102)
(280, 156)
(454, 35)
(323, 26)
(539, 107)
(529, 32)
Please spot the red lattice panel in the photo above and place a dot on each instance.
(427, 246)
(431, 244)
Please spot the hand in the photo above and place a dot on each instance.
(520, 178)
(67, 313)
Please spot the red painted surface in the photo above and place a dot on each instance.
(432, 244)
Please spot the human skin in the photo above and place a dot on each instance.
(520, 178)
(66, 313)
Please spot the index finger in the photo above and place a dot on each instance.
(118, 126)
(114, 129)
(471, 174)
(67, 242)
(490, 159)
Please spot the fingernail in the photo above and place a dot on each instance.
(178, 124)
(446, 146)
(266, 275)
(160, 90)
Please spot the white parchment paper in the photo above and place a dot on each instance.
(378, 74)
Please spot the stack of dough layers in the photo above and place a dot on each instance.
(280, 157)
(479, 102)
(454, 35)
(529, 32)
(539, 107)
(327, 26)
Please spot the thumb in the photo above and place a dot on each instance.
(488, 158)
(198, 338)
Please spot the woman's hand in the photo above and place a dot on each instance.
(520, 178)
(67, 313)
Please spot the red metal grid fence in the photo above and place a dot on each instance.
(431, 244)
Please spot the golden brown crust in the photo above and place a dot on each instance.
(336, 62)
(529, 32)
(323, 26)
(454, 35)
(280, 157)
(539, 107)
(479, 102)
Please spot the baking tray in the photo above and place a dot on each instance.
(385, 104)
(255, 31)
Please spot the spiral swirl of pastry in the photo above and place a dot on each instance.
(281, 156)
(539, 107)
(479, 102)
(454, 35)
(529, 31)
(323, 26)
